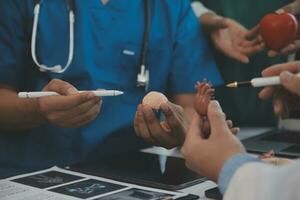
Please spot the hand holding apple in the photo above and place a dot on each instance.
(294, 46)
(278, 30)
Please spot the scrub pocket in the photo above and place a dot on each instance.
(129, 65)
(130, 58)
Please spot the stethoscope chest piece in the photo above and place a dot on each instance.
(143, 78)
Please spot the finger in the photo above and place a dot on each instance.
(217, 118)
(172, 120)
(272, 53)
(58, 103)
(229, 123)
(142, 126)
(266, 93)
(87, 117)
(253, 33)
(84, 107)
(257, 43)
(61, 87)
(235, 130)
(291, 82)
(155, 129)
(293, 8)
(250, 50)
(291, 48)
(250, 43)
(151, 119)
(278, 107)
(135, 125)
(238, 56)
(75, 113)
(165, 126)
(275, 70)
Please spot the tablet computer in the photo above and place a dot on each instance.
(143, 169)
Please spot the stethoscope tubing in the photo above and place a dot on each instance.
(142, 77)
(56, 68)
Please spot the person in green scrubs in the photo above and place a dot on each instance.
(242, 105)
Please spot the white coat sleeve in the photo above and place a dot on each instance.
(259, 181)
(200, 9)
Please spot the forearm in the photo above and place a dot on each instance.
(18, 114)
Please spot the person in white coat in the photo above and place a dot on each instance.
(223, 158)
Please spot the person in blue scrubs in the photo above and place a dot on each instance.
(63, 130)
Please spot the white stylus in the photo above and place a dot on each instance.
(99, 93)
(258, 82)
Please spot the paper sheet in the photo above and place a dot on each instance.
(60, 184)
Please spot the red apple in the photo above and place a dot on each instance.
(278, 30)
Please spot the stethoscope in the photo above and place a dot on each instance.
(143, 76)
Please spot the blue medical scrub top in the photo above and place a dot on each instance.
(178, 56)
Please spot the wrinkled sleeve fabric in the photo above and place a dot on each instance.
(231, 166)
(264, 181)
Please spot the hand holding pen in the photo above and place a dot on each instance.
(260, 82)
(287, 97)
(288, 75)
(286, 101)
(71, 109)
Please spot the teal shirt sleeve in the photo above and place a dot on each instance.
(192, 58)
(231, 166)
(14, 43)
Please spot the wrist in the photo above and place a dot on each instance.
(211, 22)
(206, 18)
(30, 108)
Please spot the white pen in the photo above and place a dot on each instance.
(258, 82)
(99, 93)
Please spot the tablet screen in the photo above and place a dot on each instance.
(144, 169)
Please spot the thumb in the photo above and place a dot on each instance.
(61, 87)
(291, 82)
(253, 33)
(216, 118)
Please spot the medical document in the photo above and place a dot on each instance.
(61, 184)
